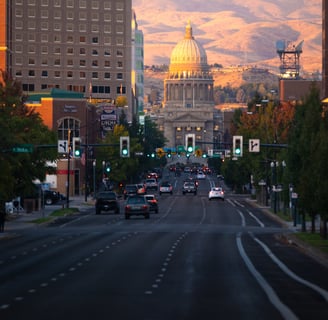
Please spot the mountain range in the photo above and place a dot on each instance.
(234, 32)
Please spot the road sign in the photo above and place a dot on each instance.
(62, 146)
(254, 145)
(23, 148)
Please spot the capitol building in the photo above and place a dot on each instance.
(188, 107)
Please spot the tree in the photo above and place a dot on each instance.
(21, 125)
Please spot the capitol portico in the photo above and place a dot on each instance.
(188, 96)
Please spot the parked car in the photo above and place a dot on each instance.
(216, 193)
(137, 205)
(189, 187)
(152, 200)
(106, 201)
(130, 190)
(165, 187)
(51, 197)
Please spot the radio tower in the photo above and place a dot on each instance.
(289, 59)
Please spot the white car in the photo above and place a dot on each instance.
(201, 175)
(216, 193)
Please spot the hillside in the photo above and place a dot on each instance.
(235, 32)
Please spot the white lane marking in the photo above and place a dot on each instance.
(243, 222)
(256, 219)
(231, 202)
(290, 273)
(272, 296)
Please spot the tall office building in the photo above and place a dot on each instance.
(324, 49)
(76, 45)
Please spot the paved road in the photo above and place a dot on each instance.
(195, 259)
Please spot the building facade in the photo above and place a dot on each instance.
(188, 107)
(75, 45)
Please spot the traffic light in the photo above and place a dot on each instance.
(125, 147)
(169, 154)
(107, 167)
(190, 144)
(77, 152)
(237, 146)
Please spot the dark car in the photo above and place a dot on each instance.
(107, 201)
(51, 197)
(152, 200)
(189, 187)
(137, 206)
(130, 190)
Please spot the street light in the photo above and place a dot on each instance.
(94, 177)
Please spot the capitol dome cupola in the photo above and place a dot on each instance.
(188, 58)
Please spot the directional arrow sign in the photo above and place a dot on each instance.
(254, 145)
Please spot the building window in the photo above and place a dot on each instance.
(69, 27)
(94, 75)
(82, 4)
(57, 3)
(70, 4)
(57, 50)
(44, 25)
(57, 14)
(83, 15)
(57, 38)
(107, 5)
(94, 52)
(70, 62)
(69, 74)
(119, 41)
(66, 125)
(57, 26)
(44, 73)
(31, 13)
(70, 50)
(70, 39)
(107, 17)
(70, 15)
(82, 75)
(107, 75)
(44, 14)
(31, 61)
(119, 64)
(31, 49)
(119, 53)
(44, 3)
(57, 62)
(57, 74)
(107, 64)
(19, 25)
(119, 76)
(82, 63)
(108, 40)
(119, 6)
(18, 48)
(82, 39)
(120, 90)
(19, 61)
(44, 62)
(95, 63)
(19, 12)
(19, 73)
(95, 40)
(107, 28)
(107, 53)
(44, 37)
(82, 51)
(119, 29)
(95, 4)
(94, 16)
(31, 25)
(31, 73)
(94, 28)
(82, 27)
(31, 2)
(119, 17)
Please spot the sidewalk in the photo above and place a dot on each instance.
(22, 220)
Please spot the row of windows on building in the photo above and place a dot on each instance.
(69, 27)
(68, 15)
(119, 90)
(82, 51)
(68, 74)
(57, 38)
(69, 62)
(82, 4)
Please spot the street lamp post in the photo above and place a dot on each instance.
(94, 178)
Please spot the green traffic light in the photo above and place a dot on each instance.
(77, 153)
(124, 152)
(189, 149)
(237, 151)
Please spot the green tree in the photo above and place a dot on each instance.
(21, 125)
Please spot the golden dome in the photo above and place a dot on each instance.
(188, 56)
